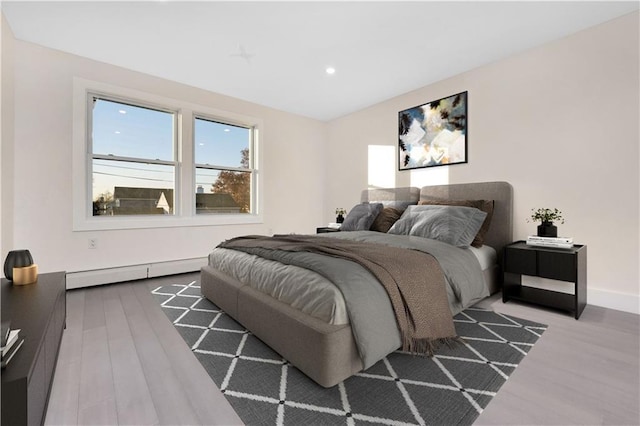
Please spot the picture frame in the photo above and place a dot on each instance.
(433, 134)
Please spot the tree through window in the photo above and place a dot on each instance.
(224, 167)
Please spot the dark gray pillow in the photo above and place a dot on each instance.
(385, 220)
(361, 217)
(454, 225)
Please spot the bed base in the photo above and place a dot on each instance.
(324, 352)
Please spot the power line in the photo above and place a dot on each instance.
(134, 168)
(133, 177)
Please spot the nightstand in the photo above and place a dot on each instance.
(529, 269)
(325, 229)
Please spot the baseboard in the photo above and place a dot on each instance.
(614, 300)
(161, 269)
(605, 298)
(94, 277)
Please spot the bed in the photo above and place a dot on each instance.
(318, 337)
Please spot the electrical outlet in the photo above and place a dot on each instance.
(93, 243)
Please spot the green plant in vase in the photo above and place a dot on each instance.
(546, 217)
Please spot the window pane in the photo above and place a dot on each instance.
(127, 188)
(219, 144)
(222, 191)
(130, 131)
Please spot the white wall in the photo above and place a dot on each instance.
(41, 206)
(559, 122)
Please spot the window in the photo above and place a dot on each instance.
(224, 167)
(142, 160)
(133, 160)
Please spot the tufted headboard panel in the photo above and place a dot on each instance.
(390, 197)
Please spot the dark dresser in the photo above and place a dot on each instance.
(39, 310)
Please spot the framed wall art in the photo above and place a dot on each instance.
(433, 134)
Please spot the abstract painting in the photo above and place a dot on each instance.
(433, 134)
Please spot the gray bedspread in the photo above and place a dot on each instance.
(370, 311)
(461, 268)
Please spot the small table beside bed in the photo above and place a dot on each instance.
(332, 314)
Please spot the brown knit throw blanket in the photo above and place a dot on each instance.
(413, 280)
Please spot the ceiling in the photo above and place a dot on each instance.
(276, 53)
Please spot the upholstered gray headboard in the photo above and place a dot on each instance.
(392, 196)
(501, 229)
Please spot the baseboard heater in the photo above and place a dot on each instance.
(134, 272)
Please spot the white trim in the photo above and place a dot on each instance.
(626, 302)
(105, 276)
(134, 272)
(185, 213)
(161, 269)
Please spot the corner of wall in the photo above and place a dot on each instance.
(7, 134)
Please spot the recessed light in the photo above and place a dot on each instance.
(122, 111)
(227, 130)
(117, 132)
(331, 70)
(201, 144)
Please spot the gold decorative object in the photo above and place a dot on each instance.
(25, 275)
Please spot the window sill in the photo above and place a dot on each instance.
(153, 221)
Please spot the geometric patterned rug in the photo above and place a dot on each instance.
(452, 387)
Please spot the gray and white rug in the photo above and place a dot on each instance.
(453, 387)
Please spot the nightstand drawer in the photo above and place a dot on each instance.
(557, 266)
(520, 261)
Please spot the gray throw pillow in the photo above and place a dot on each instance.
(454, 225)
(361, 217)
(484, 205)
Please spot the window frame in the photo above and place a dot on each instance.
(135, 160)
(252, 168)
(184, 193)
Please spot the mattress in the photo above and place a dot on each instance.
(487, 256)
(300, 288)
(306, 290)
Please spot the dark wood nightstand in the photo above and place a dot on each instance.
(325, 229)
(567, 265)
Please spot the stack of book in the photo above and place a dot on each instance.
(11, 342)
(557, 242)
(334, 225)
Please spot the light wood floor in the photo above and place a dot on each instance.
(123, 362)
